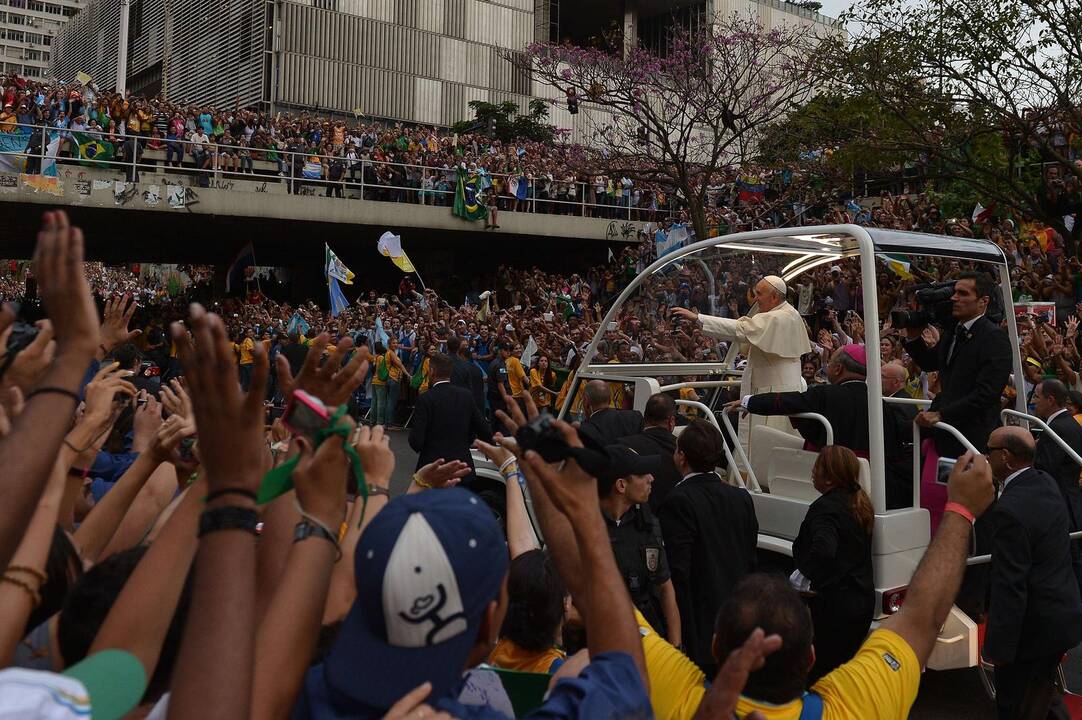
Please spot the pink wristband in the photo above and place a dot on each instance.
(960, 509)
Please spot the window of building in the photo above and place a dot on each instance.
(69, 11)
(16, 19)
(35, 5)
(33, 38)
(52, 9)
(16, 35)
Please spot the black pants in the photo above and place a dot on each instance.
(1027, 690)
(841, 619)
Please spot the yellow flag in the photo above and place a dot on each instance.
(402, 262)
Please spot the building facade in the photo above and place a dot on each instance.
(414, 61)
(28, 29)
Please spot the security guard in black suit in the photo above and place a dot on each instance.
(636, 537)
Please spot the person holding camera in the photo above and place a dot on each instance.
(973, 358)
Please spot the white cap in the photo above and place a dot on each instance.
(777, 283)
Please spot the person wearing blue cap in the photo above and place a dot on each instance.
(431, 597)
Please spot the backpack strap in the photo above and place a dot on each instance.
(813, 706)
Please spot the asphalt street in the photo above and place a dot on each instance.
(950, 695)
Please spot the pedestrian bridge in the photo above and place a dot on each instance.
(171, 192)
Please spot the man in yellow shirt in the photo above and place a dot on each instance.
(881, 681)
(516, 375)
(245, 361)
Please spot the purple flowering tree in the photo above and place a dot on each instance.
(691, 117)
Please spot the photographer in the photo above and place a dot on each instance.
(973, 357)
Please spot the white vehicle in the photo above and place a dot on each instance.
(778, 472)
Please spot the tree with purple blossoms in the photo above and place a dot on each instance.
(691, 117)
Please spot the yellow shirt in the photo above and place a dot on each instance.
(868, 686)
(687, 393)
(424, 373)
(541, 398)
(509, 656)
(881, 681)
(245, 349)
(516, 376)
(677, 685)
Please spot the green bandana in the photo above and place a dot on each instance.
(279, 480)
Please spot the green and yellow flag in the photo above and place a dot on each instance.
(92, 150)
(468, 205)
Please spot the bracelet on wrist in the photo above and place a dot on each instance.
(959, 509)
(421, 483)
(244, 492)
(30, 590)
(378, 490)
(229, 517)
(309, 528)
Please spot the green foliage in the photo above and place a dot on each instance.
(510, 125)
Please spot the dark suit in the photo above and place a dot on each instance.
(657, 441)
(610, 424)
(844, 405)
(445, 424)
(710, 533)
(468, 376)
(834, 552)
(1034, 611)
(898, 440)
(1053, 460)
(972, 378)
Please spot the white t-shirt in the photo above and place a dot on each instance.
(41, 695)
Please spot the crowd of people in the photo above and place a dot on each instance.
(243, 577)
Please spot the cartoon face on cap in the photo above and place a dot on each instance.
(422, 604)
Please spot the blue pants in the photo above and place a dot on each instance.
(393, 389)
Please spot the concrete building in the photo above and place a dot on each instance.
(416, 61)
(27, 31)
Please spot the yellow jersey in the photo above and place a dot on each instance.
(516, 376)
(244, 349)
(881, 681)
(509, 656)
(541, 398)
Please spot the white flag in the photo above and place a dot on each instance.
(390, 244)
(529, 352)
(610, 254)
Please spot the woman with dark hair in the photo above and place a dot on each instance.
(533, 628)
(833, 556)
(543, 382)
(1074, 404)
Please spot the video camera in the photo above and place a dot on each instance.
(933, 306)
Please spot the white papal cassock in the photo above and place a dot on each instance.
(773, 342)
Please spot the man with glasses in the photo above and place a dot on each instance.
(1034, 610)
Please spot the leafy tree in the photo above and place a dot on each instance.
(509, 124)
(984, 93)
(689, 117)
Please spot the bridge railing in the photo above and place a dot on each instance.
(307, 172)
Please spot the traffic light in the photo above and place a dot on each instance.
(492, 127)
(572, 102)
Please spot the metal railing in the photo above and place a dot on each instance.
(219, 162)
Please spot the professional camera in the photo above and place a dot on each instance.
(932, 303)
(540, 436)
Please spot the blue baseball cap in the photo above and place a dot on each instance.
(426, 569)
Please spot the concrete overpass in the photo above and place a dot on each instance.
(168, 217)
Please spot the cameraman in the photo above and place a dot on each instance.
(973, 357)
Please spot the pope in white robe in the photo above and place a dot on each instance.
(773, 340)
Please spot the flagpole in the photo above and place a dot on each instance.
(256, 264)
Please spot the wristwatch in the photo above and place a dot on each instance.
(378, 490)
(305, 529)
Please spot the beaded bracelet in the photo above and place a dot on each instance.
(38, 574)
(35, 596)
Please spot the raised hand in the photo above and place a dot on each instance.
(166, 445)
(319, 479)
(230, 423)
(720, 700)
(100, 395)
(374, 449)
(330, 381)
(572, 490)
(147, 420)
(62, 284)
(440, 474)
(114, 325)
(176, 401)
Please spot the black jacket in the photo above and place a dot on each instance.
(711, 534)
(445, 423)
(832, 550)
(465, 374)
(1053, 460)
(610, 424)
(898, 419)
(972, 381)
(1034, 609)
(844, 405)
(661, 442)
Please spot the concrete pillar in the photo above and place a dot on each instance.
(631, 25)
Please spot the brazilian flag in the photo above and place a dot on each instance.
(93, 150)
(468, 204)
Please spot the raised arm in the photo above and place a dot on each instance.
(937, 579)
(214, 670)
(30, 449)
